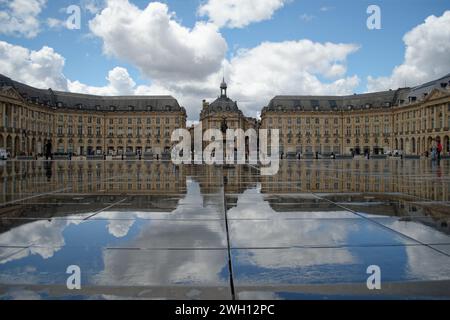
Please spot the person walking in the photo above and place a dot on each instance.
(439, 150)
(433, 153)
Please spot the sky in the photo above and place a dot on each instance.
(263, 48)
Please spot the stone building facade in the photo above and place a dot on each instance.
(224, 110)
(410, 120)
(85, 124)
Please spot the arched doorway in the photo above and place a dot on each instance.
(446, 145)
(396, 144)
(413, 145)
(40, 149)
(2, 142)
(401, 144)
(16, 146)
(424, 147)
(33, 146)
(429, 143)
(9, 144)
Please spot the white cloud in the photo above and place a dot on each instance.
(153, 41)
(426, 56)
(92, 6)
(326, 8)
(41, 69)
(291, 67)
(20, 17)
(306, 17)
(119, 83)
(56, 23)
(187, 63)
(256, 75)
(239, 13)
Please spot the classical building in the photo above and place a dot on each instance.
(85, 124)
(407, 119)
(224, 110)
(410, 120)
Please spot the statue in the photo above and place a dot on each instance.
(224, 126)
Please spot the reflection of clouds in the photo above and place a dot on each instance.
(162, 267)
(423, 262)
(21, 294)
(419, 231)
(288, 258)
(426, 264)
(258, 295)
(282, 232)
(118, 228)
(252, 204)
(41, 232)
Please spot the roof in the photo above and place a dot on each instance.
(78, 101)
(380, 100)
(383, 99)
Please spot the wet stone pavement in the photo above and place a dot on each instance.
(153, 230)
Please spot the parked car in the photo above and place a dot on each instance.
(4, 155)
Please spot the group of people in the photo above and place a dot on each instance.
(436, 151)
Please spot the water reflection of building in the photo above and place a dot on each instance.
(23, 178)
(360, 176)
(415, 178)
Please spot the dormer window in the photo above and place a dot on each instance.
(112, 108)
(60, 104)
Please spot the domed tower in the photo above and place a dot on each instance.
(223, 89)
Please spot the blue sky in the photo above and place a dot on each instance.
(340, 22)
